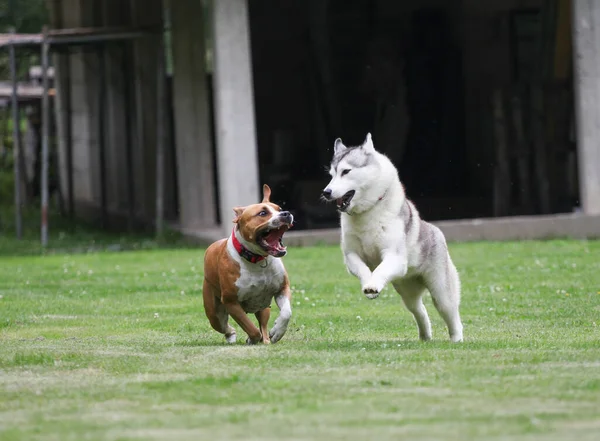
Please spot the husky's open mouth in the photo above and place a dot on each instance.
(343, 202)
(271, 240)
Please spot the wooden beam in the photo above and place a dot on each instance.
(45, 140)
(564, 42)
(161, 114)
(16, 146)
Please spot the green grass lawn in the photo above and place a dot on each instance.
(115, 346)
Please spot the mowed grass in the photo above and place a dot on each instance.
(115, 346)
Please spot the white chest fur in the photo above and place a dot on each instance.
(258, 282)
(370, 235)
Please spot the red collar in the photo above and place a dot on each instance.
(245, 252)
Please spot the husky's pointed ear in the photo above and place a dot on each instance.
(238, 212)
(368, 144)
(266, 193)
(338, 146)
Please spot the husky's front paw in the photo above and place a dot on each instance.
(370, 293)
(372, 288)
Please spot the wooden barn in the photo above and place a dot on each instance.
(489, 109)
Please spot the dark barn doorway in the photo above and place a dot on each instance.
(422, 76)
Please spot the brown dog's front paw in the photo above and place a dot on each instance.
(231, 337)
(257, 339)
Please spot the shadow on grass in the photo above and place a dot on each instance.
(353, 345)
(439, 344)
(207, 343)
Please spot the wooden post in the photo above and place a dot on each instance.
(102, 132)
(160, 136)
(195, 155)
(63, 108)
(237, 152)
(16, 138)
(586, 28)
(318, 31)
(45, 138)
(522, 153)
(502, 170)
(66, 77)
(128, 139)
(539, 148)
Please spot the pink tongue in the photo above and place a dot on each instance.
(273, 238)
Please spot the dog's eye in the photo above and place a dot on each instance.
(345, 172)
(262, 213)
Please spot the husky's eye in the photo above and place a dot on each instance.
(345, 172)
(262, 213)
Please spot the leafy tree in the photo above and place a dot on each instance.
(26, 16)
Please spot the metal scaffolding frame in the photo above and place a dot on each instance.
(65, 38)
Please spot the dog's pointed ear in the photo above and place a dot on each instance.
(266, 193)
(338, 146)
(238, 212)
(368, 144)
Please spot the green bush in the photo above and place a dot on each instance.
(6, 187)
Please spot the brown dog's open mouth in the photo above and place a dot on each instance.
(271, 240)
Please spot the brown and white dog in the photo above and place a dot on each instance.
(243, 273)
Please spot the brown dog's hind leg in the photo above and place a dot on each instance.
(216, 313)
(239, 315)
(263, 321)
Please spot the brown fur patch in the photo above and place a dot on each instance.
(255, 218)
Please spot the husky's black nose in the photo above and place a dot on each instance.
(326, 193)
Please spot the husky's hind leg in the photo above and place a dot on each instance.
(444, 286)
(411, 290)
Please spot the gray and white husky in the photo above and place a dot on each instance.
(384, 239)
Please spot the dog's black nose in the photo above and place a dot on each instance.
(285, 214)
(327, 193)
